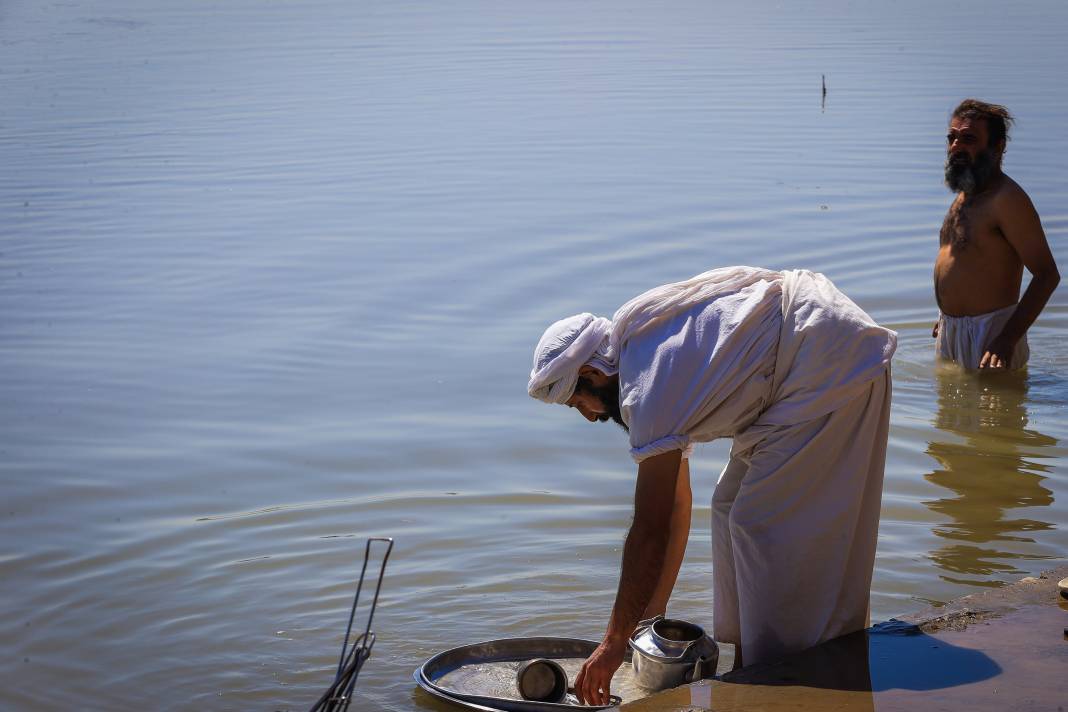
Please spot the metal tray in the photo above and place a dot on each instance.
(482, 676)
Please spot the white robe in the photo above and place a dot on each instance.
(964, 338)
(798, 375)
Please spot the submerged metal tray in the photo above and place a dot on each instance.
(482, 676)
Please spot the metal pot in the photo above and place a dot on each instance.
(541, 680)
(668, 652)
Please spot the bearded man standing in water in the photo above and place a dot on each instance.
(990, 234)
(799, 376)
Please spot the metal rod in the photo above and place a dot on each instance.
(339, 695)
(359, 588)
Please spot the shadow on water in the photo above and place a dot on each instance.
(847, 672)
(887, 656)
(992, 462)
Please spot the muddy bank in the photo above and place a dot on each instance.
(1002, 649)
(960, 613)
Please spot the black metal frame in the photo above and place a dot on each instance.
(339, 695)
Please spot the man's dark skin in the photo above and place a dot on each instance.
(989, 235)
(653, 551)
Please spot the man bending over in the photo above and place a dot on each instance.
(799, 377)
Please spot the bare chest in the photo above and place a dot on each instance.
(977, 269)
(969, 227)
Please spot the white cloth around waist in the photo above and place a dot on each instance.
(964, 339)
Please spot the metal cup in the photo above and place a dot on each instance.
(541, 680)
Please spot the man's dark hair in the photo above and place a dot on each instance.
(997, 118)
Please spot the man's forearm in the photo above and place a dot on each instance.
(645, 549)
(676, 546)
(1031, 305)
(643, 561)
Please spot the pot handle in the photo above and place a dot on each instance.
(698, 671)
(643, 626)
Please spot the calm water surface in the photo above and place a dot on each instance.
(271, 274)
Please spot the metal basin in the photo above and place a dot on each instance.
(482, 676)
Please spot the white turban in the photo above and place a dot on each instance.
(564, 348)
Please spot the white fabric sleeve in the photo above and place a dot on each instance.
(659, 447)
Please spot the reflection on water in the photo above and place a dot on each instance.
(992, 463)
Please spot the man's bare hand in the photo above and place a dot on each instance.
(998, 354)
(593, 684)
(934, 331)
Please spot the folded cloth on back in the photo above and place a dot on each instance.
(583, 339)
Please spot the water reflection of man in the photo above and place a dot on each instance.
(798, 376)
(990, 234)
(997, 467)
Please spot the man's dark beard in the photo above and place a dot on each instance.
(609, 396)
(964, 175)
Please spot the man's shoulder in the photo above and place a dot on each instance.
(1008, 192)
